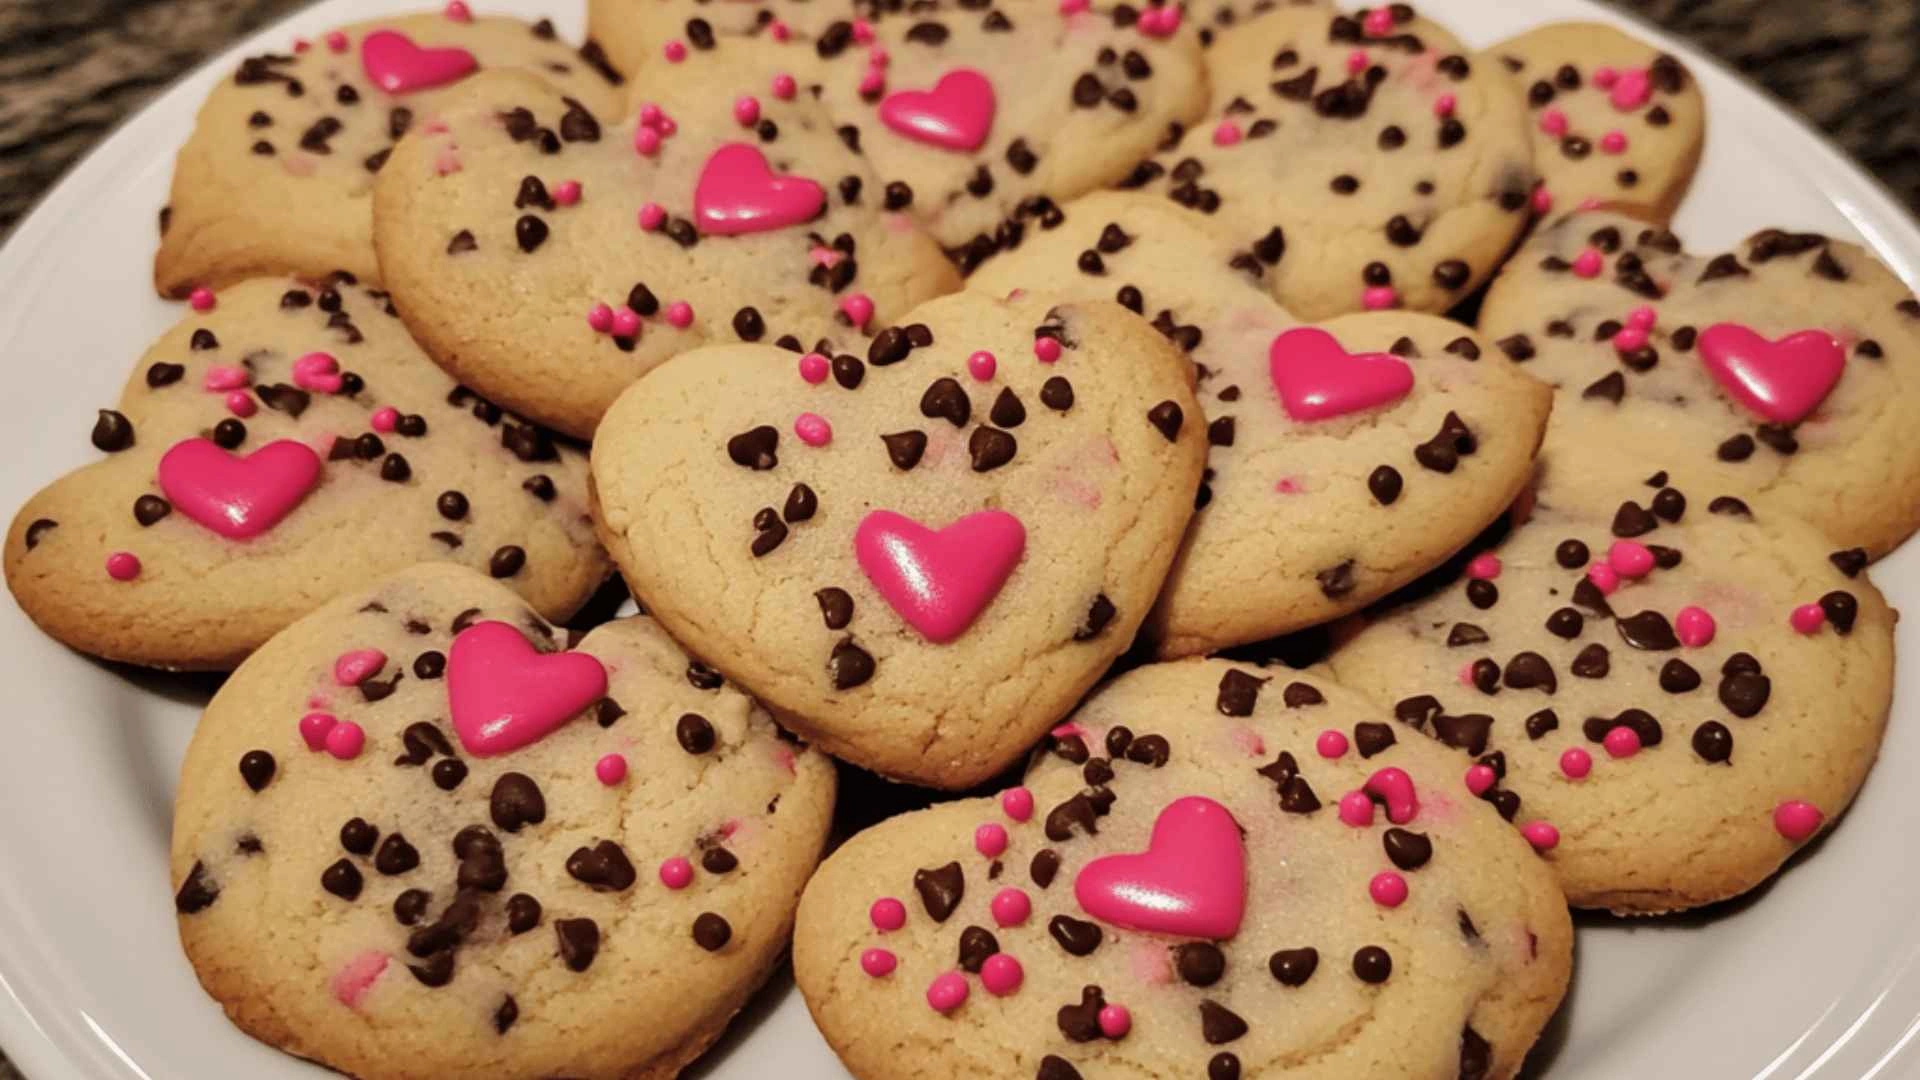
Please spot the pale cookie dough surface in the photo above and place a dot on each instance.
(740, 537)
(1851, 466)
(1615, 122)
(1300, 521)
(411, 468)
(1071, 103)
(1404, 188)
(1317, 980)
(278, 176)
(1526, 661)
(497, 278)
(637, 33)
(322, 902)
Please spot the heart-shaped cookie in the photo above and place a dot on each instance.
(1688, 692)
(1771, 373)
(1278, 912)
(1320, 461)
(923, 557)
(1422, 168)
(274, 179)
(596, 901)
(272, 451)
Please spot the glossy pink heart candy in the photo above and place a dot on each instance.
(398, 66)
(738, 193)
(1191, 881)
(238, 497)
(1783, 381)
(504, 694)
(956, 114)
(939, 581)
(1317, 379)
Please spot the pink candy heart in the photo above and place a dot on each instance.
(1191, 881)
(504, 694)
(238, 497)
(1783, 381)
(1317, 379)
(398, 66)
(939, 581)
(738, 193)
(956, 114)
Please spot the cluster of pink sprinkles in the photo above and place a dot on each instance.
(344, 739)
(655, 127)
(1640, 323)
(1160, 22)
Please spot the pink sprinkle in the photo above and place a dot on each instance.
(646, 140)
(888, 914)
(675, 51)
(1605, 76)
(1576, 764)
(1445, 106)
(123, 566)
(1011, 907)
(384, 419)
(1694, 627)
(314, 728)
(610, 769)
(1046, 349)
(1634, 89)
(1380, 298)
(457, 11)
(1630, 558)
(780, 31)
(625, 322)
(201, 299)
(858, 308)
(221, 377)
(1590, 203)
(1379, 22)
(878, 56)
(1356, 809)
(878, 963)
(947, 992)
(1808, 618)
(676, 873)
(301, 45)
(357, 976)
(1643, 317)
(1480, 778)
(1629, 339)
(1621, 742)
(746, 110)
(1331, 744)
(1388, 889)
(784, 87)
(981, 365)
(1554, 123)
(813, 429)
(652, 216)
(863, 31)
(1797, 820)
(1017, 803)
(874, 81)
(651, 115)
(1614, 142)
(1226, 133)
(1589, 263)
(600, 318)
(1542, 835)
(317, 371)
(1160, 21)
(1542, 200)
(241, 404)
(1484, 567)
(1001, 975)
(813, 368)
(346, 740)
(566, 192)
(1357, 61)
(990, 840)
(1604, 577)
(1073, 7)
(1115, 1021)
(680, 314)
(1465, 674)
(355, 667)
(337, 41)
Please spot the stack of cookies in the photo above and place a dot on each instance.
(987, 394)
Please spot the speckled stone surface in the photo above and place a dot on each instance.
(72, 69)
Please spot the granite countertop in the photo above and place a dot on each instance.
(71, 69)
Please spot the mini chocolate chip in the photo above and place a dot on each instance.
(976, 945)
(1566, 623)
(1372, 964)
(112, 432)
(695, 733)
(1150, 750)
(1167, 417)
(1199, 963)
(411, 906)
(358, 837)
(1223, 1066)
(517, 802)
(1571, 554)
(1406, 850)
(579, 942)
(604, 867)
(1057, 394)
(1530, 670)
(1593, 662)
(1713, 742)
(1469, 732)
(904, 448)
(990, 448)
(1239, 692)
(523, 913)
(1371, 738)
(1044, 867)
(1076, 937)
(148, 510)
(1219, 1024)
(1293, 967)
(343, 880)
(530, 232)
(396, 856)
(941, 889)
(849, 665)
(1542, 723)
(448, 773)
(1099, 613)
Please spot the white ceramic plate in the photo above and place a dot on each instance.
(1813, 976)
